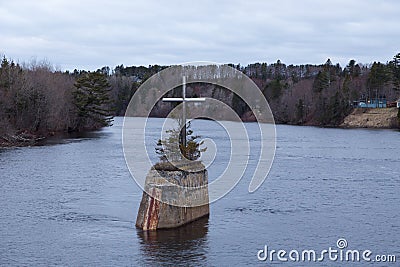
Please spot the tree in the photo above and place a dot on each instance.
(34, 99)
(279, 70)
(322, 81)
(333, 110)
(192, 151)
(378, 77)
(275, 87)
(300, 111)
(264, 71)
(92, 100)
(346, 86)
(352, 69)
(170, 149)
(395, 71)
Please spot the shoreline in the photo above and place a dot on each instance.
(27, 139)
(23, 139)
(372, 118)
(358, 119)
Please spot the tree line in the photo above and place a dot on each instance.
(324, 94)
(38, 101)
(298, 94)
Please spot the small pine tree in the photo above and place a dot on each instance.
(192, 151)
(169, 149)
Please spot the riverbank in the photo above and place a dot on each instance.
(379, 118)
(26, 138)
(20, 139)
(383, 118)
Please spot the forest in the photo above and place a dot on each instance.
(37, 101)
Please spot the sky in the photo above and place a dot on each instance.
(89, 34)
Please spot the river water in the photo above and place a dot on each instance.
(73, 203)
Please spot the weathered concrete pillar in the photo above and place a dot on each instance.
(173, 196)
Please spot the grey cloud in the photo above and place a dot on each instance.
(91, 34)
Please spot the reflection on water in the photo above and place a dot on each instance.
(180, 246)
(64, 138)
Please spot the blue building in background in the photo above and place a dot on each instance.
(371, 103)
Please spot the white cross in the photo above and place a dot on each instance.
(183, 99)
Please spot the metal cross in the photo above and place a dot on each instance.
(183, 99)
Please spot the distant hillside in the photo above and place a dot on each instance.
(37, 101)
(304, 94)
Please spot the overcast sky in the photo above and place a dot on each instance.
(89, 34)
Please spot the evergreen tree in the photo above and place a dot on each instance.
(322, 81)
(92, 100)
(279, 70)
(378, 77)
(395, 71)
(170, 149)
(346, 86)
(333, 110)
(275, 89)
(321, 111)
(352, 69)
(300, 111)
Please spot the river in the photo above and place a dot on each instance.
(73, 202)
